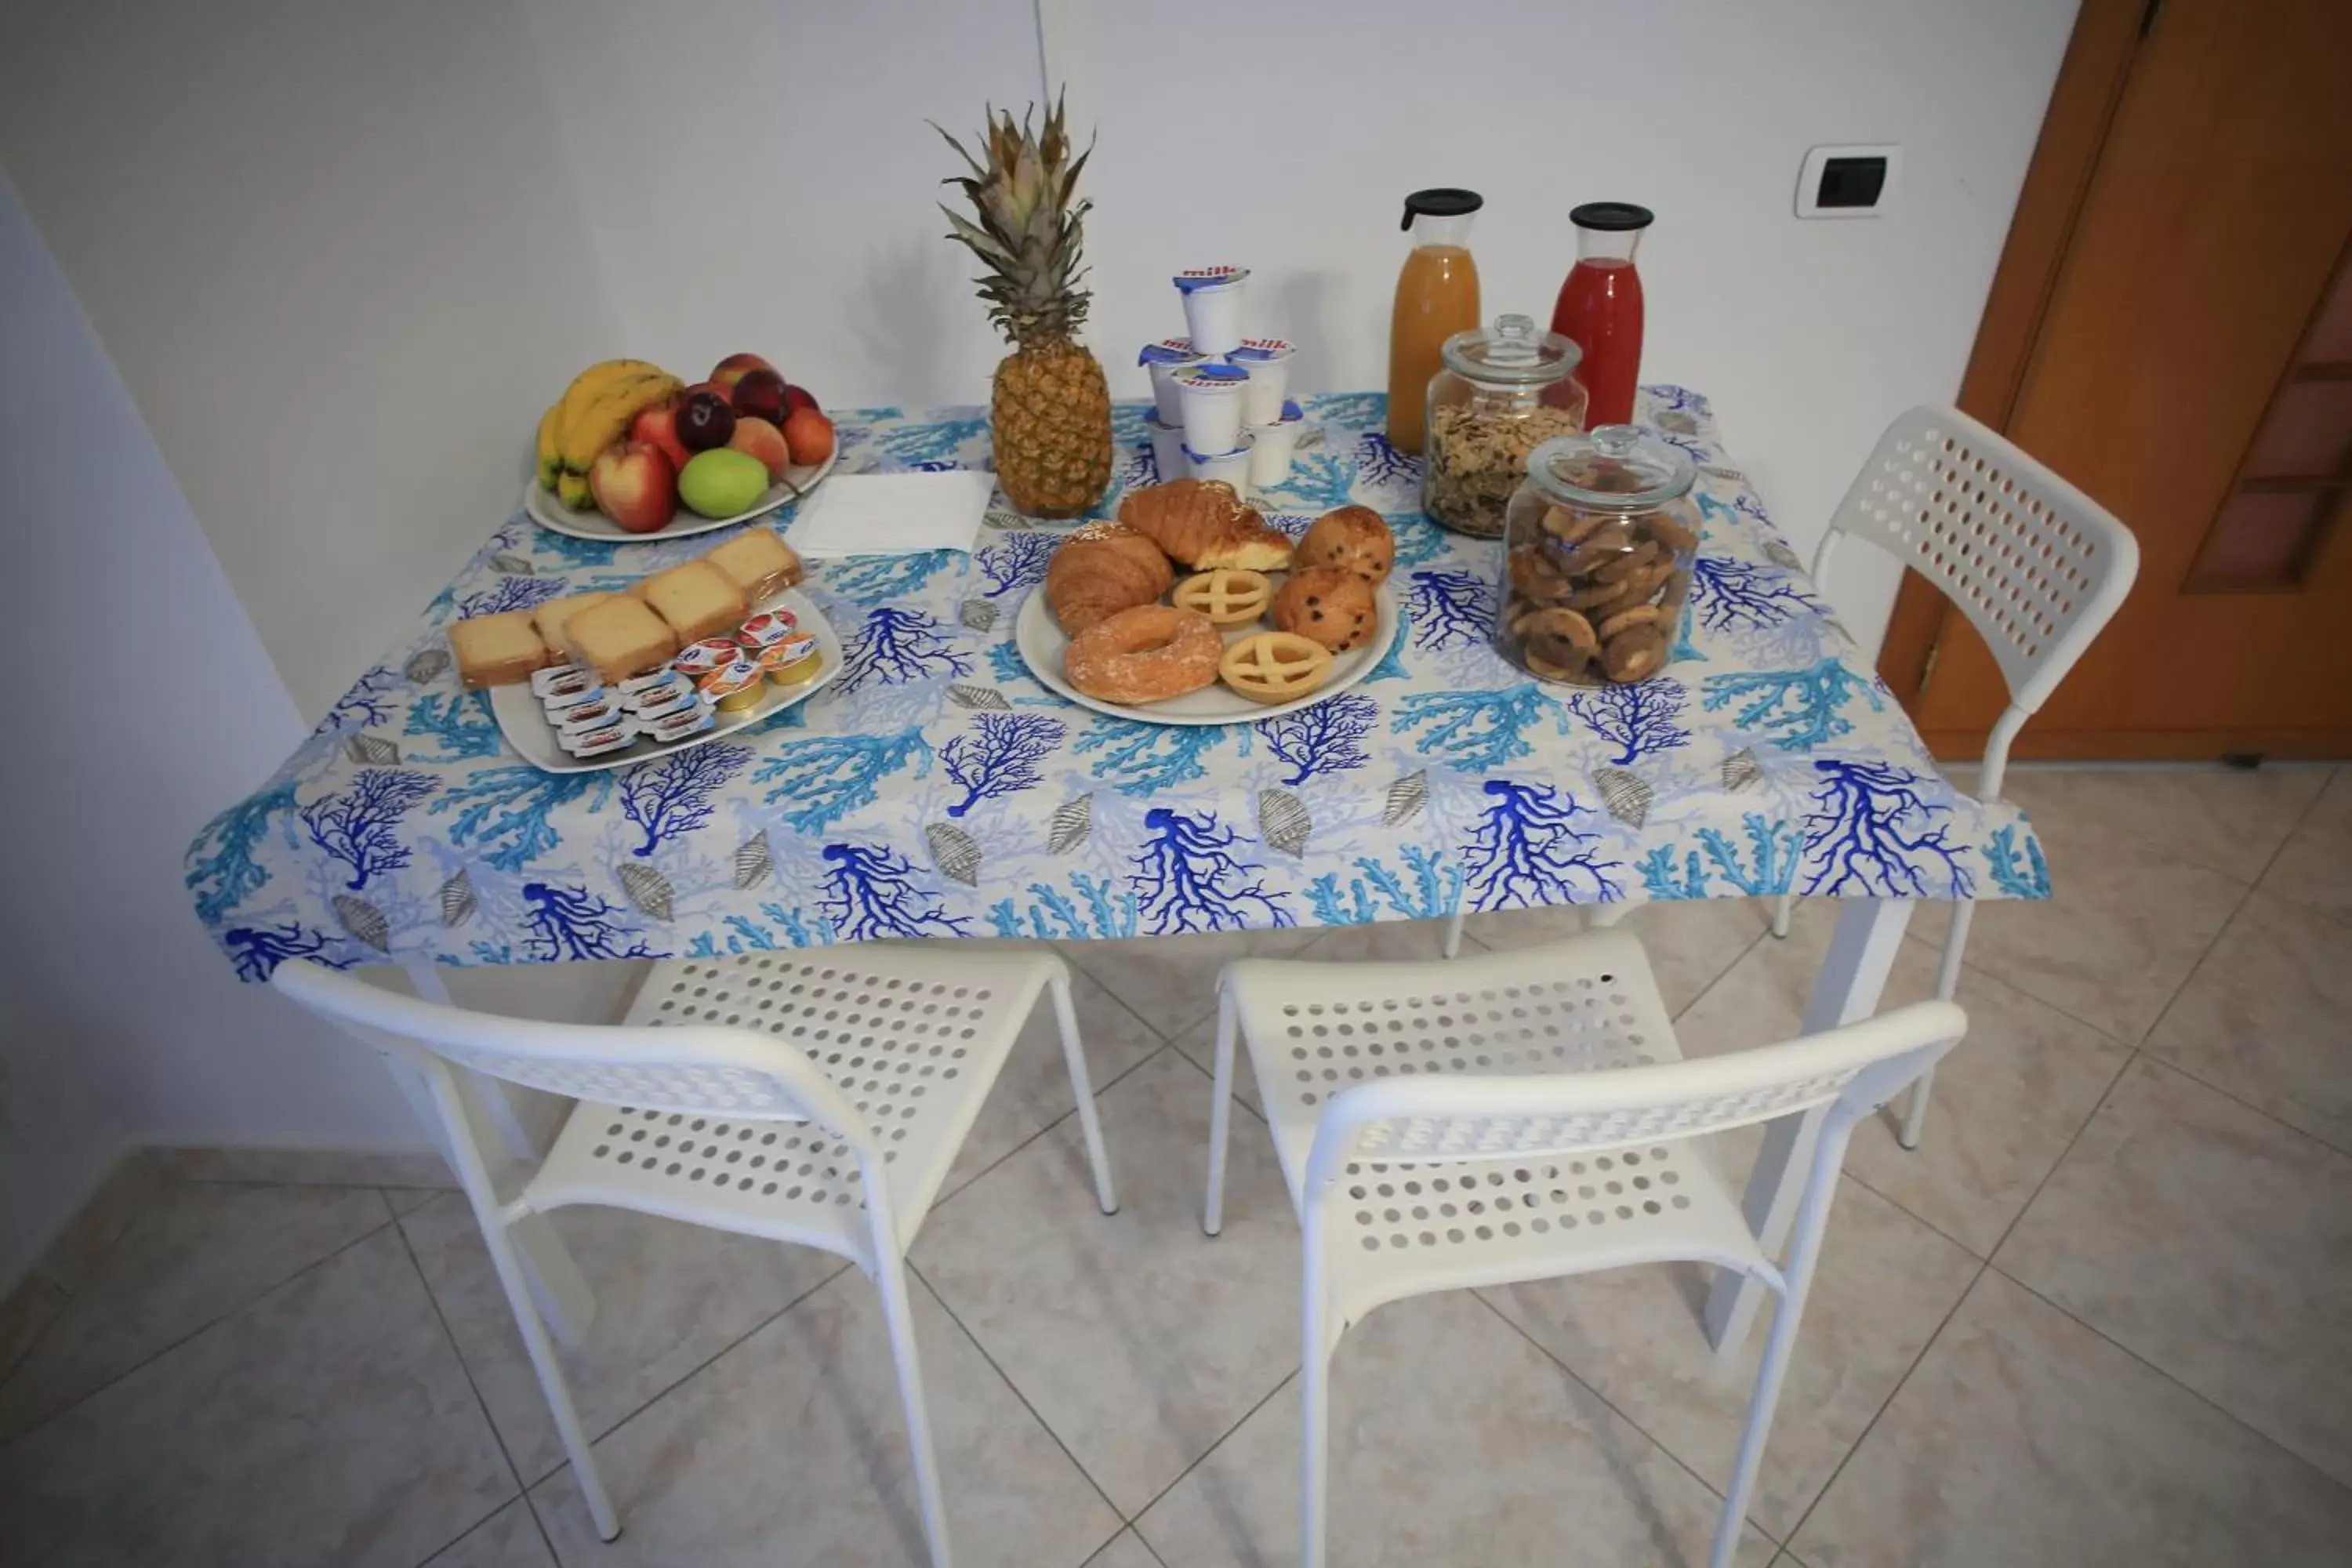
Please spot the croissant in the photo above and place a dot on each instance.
(1100, 569)
(1204, 524)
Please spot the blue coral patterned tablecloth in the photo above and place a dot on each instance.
(936, 789)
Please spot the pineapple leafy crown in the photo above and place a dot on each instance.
(1027, 236)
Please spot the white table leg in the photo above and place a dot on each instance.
(1869, 935)
(556, 1283)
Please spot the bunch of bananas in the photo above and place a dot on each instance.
(595, 411)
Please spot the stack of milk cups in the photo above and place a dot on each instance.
(1220, 412)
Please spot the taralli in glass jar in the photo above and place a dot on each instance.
(1598, 546)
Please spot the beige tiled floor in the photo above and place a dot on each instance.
(2097, 1318)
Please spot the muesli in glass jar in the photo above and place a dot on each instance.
(1598, 546)
(1503, 391)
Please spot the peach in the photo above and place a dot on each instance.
(763, 441)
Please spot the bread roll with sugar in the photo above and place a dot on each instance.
(621, 638)
(550, 618)
(696, 599)
(496, 650)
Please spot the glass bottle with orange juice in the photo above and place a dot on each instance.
(1436, 297)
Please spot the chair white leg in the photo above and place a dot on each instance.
(1804, 1250)
(535, 1339)
(1914, 1111)
(890, 1279)
(1869, 935)
(1452, 947)
(1221, 1112)
(1780, 912)
(1074, 1054)
(1316, 1345)
(1948, 984)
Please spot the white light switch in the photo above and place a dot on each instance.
(1849, 181)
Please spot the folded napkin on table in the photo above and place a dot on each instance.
(892, 514)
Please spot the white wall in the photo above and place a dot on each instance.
(759, 176)
(340, 258)
(124, 1018)
(1808, 335)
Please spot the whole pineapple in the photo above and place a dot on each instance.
(1050, 408)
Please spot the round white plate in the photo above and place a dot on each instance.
(1039, 637)
(548, 512)
(523, 720)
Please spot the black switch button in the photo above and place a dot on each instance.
(1853, 181)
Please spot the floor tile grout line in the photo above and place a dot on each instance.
(1862, 1436)
(1043, 1426)
(2200, 1394)
(203, 1327)
(450, 1337)
(1479, 1292)
(24, 1356)
(1100, 1089)
(2191, 1073)
(1223, 1438)
(842, 1265)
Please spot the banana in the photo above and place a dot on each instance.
(593, 422)
(551, 456)
(572, 489)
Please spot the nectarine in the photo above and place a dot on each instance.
(761, 394)
(810, 435)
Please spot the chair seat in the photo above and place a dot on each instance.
(915, 1035)
(1400, 1227)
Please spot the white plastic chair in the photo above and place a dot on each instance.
(2036, 566)
(1527, 1115)
(814, 1098)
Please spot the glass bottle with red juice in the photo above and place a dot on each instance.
(1600, 306)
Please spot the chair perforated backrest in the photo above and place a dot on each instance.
(2037, 566)
(1430, 1118)
(698, 1069)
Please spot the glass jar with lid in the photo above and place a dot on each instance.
(1504, 389)
(1598, 545)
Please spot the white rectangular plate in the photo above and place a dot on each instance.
(1042, 643)
(524, 723)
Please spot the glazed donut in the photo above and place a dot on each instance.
(1146, 654)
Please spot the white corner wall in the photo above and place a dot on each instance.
(342, 262)
(1808, 336)
(124, 1021)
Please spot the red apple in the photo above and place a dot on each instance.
(763, 441)
(658, 424)
(734, 367)
(799, 397)
(635, 486)
(705, 420)
(810, 435)
(761, 394)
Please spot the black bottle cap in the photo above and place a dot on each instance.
(1611, 217)
(1446, 201)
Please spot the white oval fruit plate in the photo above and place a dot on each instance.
(1042, 643)
(548, 512)
(523, 720)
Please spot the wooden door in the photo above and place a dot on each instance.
(2172, 330)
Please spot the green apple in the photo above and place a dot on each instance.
(722, 482)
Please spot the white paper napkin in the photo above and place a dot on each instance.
(892, 514)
